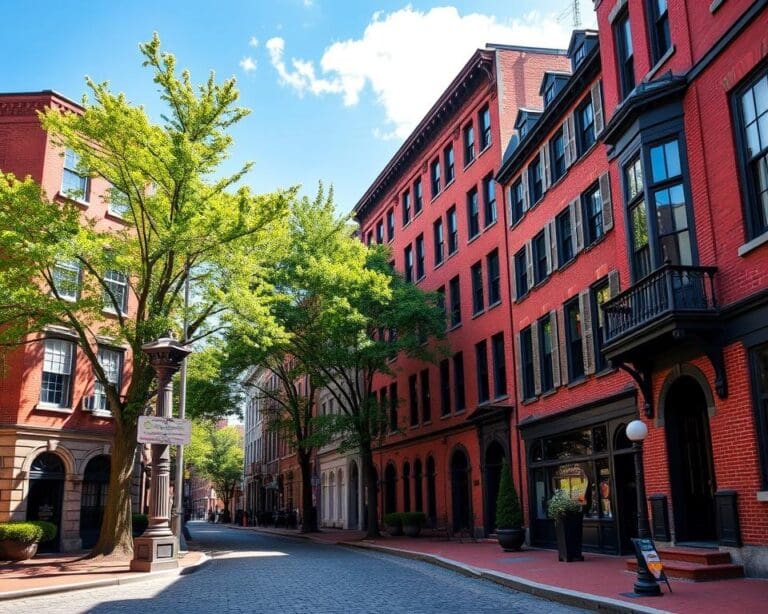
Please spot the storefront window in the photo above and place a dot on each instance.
(540, 490)
(604, 487)
(599, 439)
(573, 479)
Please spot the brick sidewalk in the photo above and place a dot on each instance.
(599, 577)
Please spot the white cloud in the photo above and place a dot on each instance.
(408, 57)
(253, 41)
(308, 3)
(248, 64)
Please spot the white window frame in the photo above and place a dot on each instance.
(71, 162)
(58, 359)
(66, 268)
(113, 369)
(117, 282)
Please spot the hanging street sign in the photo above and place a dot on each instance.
(167, 431)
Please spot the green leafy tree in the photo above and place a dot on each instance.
(183, 220)
(508, 512)
(217, 455)
(343, 313)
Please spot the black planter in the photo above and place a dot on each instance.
(511, 540)
(568, 529)
(412, 530)
(395, 529)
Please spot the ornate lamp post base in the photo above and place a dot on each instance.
(154, 553)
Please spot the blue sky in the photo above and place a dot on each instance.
(334, 86)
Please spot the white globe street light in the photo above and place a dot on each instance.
(637, 430)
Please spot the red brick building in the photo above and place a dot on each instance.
(55, 428)
(437, 206)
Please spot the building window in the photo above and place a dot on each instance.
(426, 400)
(499, 366)
(390, 225)
(449, 164)
(535, 181)
(56, 384)
(116, 291)
(494, 277)
(406, 207)
(469, 144)
(516, 201)
(445, 387)
(453, 230)
(759, 360)
(481, 359)
(437, 229)
(458, 381)
(393, 407)
(638, 218)
(484, 121)
(564, 237)
(478, 302)
(418, 196)
(380, 232)
(111, 362)
(455, 290)
(521, 274)
(661, 40)
(441, 299)
(73, 183)
(545, 353)
(420, 256)
(408, 253)
(549, 93)
(579, 54)
(600, 294)
(557, 155)
(540, 268)
(473, 213)
(624, 54)
(489, 200)
(573, 340)
(118, 204)
(526, 363)
(66, 280)
(369, 238)
(585, 121)
(435, 175)
(593, 215)
(413, 398)
(753, 123)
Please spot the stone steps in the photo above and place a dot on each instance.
(695, 564)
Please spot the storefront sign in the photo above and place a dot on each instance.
(167, 431)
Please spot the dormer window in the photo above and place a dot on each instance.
(549, 93)
(578, 54)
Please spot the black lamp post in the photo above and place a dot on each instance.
(157, 548)
(645, 584)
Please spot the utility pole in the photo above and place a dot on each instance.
(179, 492)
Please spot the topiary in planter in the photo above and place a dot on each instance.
(394, 523)
(49, 529)
(509, 516)
(412, 523)
(19, 539)
(567, 514)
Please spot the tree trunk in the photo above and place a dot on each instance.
(308, 516)
(371, 494)
(116, 531)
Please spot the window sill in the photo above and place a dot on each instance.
(548, 393)
(490, 225)
(657, 67)
(474, 238)
(446, 186)
(111, 312)
(753, 244)
(439, 264)
(434, 197)
(420, 279)
(484, 149)
(82, 203)
(517, 221)
(53, 409)
(445, 416)
(454, 327)
(458, 412)
(101, 414)
(582, 379)
(477, 314)
(470, 163)
(502, 397)
(427, 423)
(529, 401)
(520, 299)
(716, 4)
(605, 372)
(116, 217)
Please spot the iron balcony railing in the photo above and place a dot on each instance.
(671, 289)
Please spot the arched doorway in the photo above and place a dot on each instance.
(494, 456)
(419, 497)
(93, 499)
(689, 448)
(354, 496)
(407, 487)
(460, 493)
(46, 494)
(431, 490)
(390, 489)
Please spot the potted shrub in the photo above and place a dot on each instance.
(394, 523)
(412, 523)
(567, 515)
(509, 516)
(19, 539)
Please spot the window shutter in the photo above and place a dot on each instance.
(566, 138)
(548, 244)
(597, 108)
(613, 283)
(561, 344)
(605, 198)
(572, 137)
(529, 263)
(577, 226)
(519, 367)
(552, 226)
(587, 335)
(526, 199)
(536, 363)
(513, 278)
(544, 155)
(555, 348)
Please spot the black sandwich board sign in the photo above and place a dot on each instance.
(649, 558)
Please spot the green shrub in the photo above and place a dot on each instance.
(49, 529)
(414, 518)
(508, 512)
(394, 519)
(561, 504)
(139, 523)
(21, 532)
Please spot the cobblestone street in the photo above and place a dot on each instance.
(252, 572)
